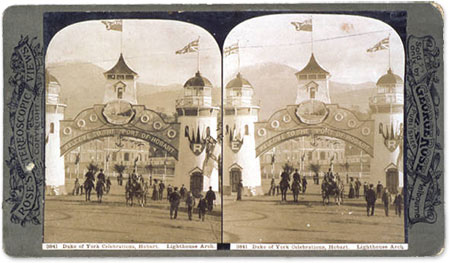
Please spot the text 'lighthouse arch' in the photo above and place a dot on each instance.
(314, 118)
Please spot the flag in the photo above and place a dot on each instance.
(189, 48)
(382, 45)
(115, 25)
(233, 49)
(77, 159)
(211, 162)
(273, 158)
(303, 26)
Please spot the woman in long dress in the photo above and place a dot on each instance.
(351, 192)
(155, 191)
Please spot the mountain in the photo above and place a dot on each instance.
(276, 86)
(82, 85)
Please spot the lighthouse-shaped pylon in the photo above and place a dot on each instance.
(387, 106)
(198, 123)
(54, 162)
(240, 163)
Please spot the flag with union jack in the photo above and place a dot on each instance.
(189, 48)
(303, 26)
(115, 25)
(233, 49)
(382, 45)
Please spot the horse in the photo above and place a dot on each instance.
(284, 187)
(88, 185)
(100, 188)
(107, 186)
(332, 189)
(136, 190)
(296, 189)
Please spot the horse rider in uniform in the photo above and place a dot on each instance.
(296, 175)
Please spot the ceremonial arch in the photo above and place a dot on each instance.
(314, 118)
(119, 119)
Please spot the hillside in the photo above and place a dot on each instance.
(275, 86)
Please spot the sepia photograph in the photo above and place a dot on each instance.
(313, 131)
(132, 118)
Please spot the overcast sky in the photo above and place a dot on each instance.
(340, 44)
(148, 46)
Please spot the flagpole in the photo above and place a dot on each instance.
(198, 55)
(239, 57)
(312, 38)
(121, 38)
(389, 50)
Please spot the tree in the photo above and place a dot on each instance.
(288, 168)
(119, 168)
(92, 167)
(315, 168)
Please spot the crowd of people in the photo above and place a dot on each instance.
(299, 183)
(174, 195)
(370, 193)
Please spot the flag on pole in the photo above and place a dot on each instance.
(303, 26)
(382, 45)
(211, 162)
(189, 48)
(233, 49)
(77, 159)
(115, 25)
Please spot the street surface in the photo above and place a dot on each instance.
(70, 219)
(264, 219)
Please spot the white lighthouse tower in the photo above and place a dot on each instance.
(387, 108)
(198, 120)
(54, 162)
(239, 156)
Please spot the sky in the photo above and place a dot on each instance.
(148, 47)
(340, 44)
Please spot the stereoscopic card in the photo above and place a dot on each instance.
(244, 130)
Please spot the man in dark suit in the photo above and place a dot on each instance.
(202, 205)
(174, 199)
(239, 191)
(210, 197)
(371, 197)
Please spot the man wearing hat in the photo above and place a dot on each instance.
(371, 197)
(174, 200)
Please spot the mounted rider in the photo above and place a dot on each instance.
(285, 176)
(296, 176)
(90, 175)
(101, 177)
